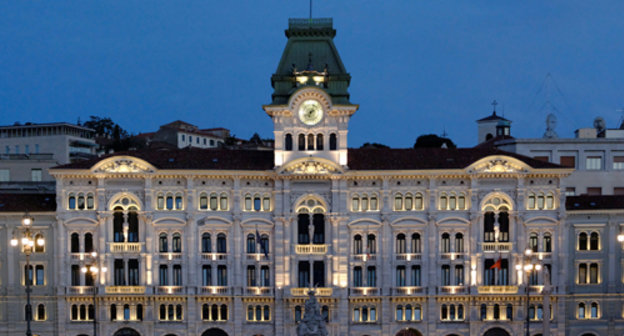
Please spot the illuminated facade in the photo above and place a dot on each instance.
(396, 241)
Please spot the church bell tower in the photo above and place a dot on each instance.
(310, 106)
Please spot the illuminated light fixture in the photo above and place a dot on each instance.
(14, 241)
(528, 251)
(40, 241)
(518, 267)
(27, 220)
(538, 267)
(318, 79)
(93, 269)
(103, 269)
(94, 254)
(25, 241)
(302, 79)
(214, 256)
(620, 237)
(84, 269)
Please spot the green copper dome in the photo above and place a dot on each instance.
(310, 58)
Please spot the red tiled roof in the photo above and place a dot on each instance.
(27, 202)
(428, 158)
(598, 202)
(359, 159)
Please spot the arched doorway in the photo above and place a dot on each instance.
(214, 332)
(408, 332)
(126, 332)
(496, 332)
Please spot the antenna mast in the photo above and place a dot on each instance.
(310, 11)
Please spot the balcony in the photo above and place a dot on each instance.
(452, 255)
(214, 256)
(407, 290)
(496, 247)
(365, 291)
(170, 256)
(125, 247)
(452, 289)
(497, 289)
(80, 290)
(258, 257)
(259, 290)
(303, 291)
(408, 256)
(364, 257)
(170, 290)
(311, 249)
(125, 289)
(214, 290)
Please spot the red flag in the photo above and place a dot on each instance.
(497, 264)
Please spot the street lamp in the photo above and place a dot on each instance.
(529, 265)
(28, 247)
(94, 270)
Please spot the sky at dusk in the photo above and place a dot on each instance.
(417, 67)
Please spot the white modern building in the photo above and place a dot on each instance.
(396, 241)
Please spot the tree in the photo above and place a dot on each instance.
(109, 135)
(433, 141)
(374, 145)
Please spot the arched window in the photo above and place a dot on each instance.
(496, 312)
(444, 313)
(374, 204)
(266, 203)
(83, 312)
(203, 201)
(176, 243)
(257, 203)
(445, 246)
(205, 315)
(74, 312)
(582, 241)
(223, 202)
(357, 244)
(133, 225)
(550, 201)
(417, 313)
(400, 243)
(221, 243)
(214, 204)
(509, 312)
(160, 201)
(531, 202)
(301, 144)
(288, 142)
(251, 243)
(547, 242)
(297, 313)
(126, 312)
(74, 243)
(398, 202)
(483, 312)
(594, 310)
(163, 244)
(206, 243)
(581, 310)
(461, 202)
(41, 313)
(118, 218)
(399, 313)
(139, 312)
(459, 243)
(443, 202)
(364, 203)
(355, 203)
(71, 202)
(408, 312)
(416, 245)
(594, 243)
(532, 312)
(90, 202)
(319, 142)
(88, 242)
(418, 202)
(264, 244)
(408, 203)
(310, 141)
(224, 312)
(81, 201)
(325, 313)
(540, 201)
(333, 142)
(113, 312)
(371, 244)
(533, 242)
(488, 227)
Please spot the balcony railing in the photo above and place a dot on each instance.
(170, 255)
(170, 290)
(125, 247)
(407, 290)
(259, 290)
(452, 255)
(258, 256)
(214, 256)
(452, 289)
(315, 249)
(364, 291)
(364, 257)
(80, 290)
(497, 289)
(303, 291)
(408, 256)
(214, 290)
(125, 289)
(496, 247)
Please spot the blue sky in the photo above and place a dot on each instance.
(417, 66)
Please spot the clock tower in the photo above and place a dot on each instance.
(310, 106)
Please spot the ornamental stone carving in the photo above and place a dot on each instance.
(313, 323)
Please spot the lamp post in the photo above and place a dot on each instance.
(529, 265)
(28, 246)
(94, 270)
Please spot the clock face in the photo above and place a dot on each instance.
(310, 112)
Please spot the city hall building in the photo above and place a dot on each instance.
(394, 241)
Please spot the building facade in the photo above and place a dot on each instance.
(394, 241)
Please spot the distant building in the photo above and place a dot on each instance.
(596, 154)
(27, 151)
(182, 134)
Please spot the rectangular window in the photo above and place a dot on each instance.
(177, 275)
(133, 272)
(618, 191)
(75, 275)
(570, 191)
(36, 148)
(618, 163)
(7, 149)
(568, 161)
(26, 149)
(120, 277)
(400, 276)
(39, 275)
(163, 275)
(5, 175)
(594, 191)
(206, 275)
(415, 275)
(35, 175)
(593, 163)
(221, 275)
(16, 149)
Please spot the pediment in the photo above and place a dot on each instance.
(311, 166)
(123, 165)
(498, 165)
